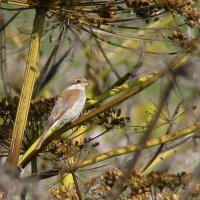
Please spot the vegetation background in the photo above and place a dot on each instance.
(138, 135)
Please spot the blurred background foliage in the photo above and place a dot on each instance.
(111, 43)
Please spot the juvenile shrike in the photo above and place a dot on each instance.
(68, 106)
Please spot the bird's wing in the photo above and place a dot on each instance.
(65, 101)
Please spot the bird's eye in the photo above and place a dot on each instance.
(78, 81)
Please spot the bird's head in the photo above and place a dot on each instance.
(77, 82)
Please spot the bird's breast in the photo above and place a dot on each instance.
(76, 109)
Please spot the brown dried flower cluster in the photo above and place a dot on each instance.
(110, 119)
(63, 192)
(139, 186)
(61, 148)
(8, 107)
(111, 177)
(38, 114)
(180, 38)
(145, 8)
(69, 148)
(69, 154)
(79, 12)
(185, 8)
(152, 9)
(160, 180)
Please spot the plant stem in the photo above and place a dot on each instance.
(76, 186)
(27, 88)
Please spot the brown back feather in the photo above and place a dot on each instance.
(65, 101)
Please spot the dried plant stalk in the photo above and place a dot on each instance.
(150, 143)
(27, 88)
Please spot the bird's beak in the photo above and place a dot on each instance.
(86, 84)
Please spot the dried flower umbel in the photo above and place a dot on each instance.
(67, 156)
(186, 8)
(139, 186)
(63, 192)
(110, 119)
(146, 9)
(166, 118)
(180, 38)
(62, 148)
(8, 107)
(38, 114)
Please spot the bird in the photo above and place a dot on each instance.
(68, 107)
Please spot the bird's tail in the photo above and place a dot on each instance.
(47, 131)
(42, 138)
